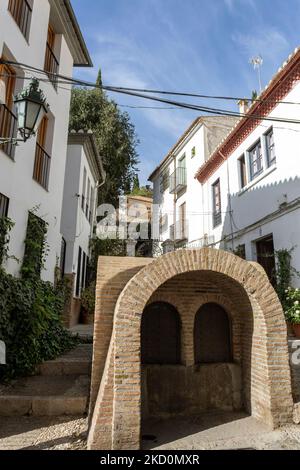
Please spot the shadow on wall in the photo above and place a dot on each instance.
(196, 351)
(251, 209)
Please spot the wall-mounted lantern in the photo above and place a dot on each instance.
(31, 107)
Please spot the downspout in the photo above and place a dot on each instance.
(229, 200)
(99, 185)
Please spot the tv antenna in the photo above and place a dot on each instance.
(257, 62)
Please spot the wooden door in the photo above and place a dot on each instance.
(266, 257)
(160, 334)
(212, 335)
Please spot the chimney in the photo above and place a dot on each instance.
(243, 105)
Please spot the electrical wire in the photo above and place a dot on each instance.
(209, 110)
(153, 91)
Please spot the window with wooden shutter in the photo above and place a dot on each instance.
(21, 11)
(4, 203)
(160, 334)
(51, 62)
(8, 119)
(212, 335)
(243, 172)
(216, 194)
(42, 161)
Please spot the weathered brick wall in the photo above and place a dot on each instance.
(188, 278)
(113, 274)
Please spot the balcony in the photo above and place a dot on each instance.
(51, 66)
(41, 167)
(179, 231)
(21, 12)
(178, 180)
(217, 219)
(8, 128)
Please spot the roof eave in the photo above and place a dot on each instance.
(73, 34)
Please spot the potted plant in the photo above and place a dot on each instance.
(88, 304)
(292, 309)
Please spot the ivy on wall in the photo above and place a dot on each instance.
(284, 273)
(35, 247)
(5, 227)
(31, 309)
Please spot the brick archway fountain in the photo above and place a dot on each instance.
(188, 279)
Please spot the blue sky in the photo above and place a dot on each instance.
(200, 46)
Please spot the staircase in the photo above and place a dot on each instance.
(60, 387)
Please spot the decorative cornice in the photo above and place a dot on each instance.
(283, 82)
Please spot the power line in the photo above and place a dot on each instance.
(209, 110)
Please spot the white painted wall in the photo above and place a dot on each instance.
(258, 200)
(192, 196)
(262, 196)
(16, 180)
(75, 226)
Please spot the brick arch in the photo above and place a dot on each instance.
(187, 312)
(121, 387)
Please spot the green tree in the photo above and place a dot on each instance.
(136, 184)
(91, 109)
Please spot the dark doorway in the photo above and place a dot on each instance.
(266, 257)
(212, 335)
(160, 334)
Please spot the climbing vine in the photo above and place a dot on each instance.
(5, 227)
(31, 310)
(36, 247)
(284, 272)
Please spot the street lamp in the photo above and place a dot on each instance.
(31, 108)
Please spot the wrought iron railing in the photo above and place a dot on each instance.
(8, 129)
(178, 180)
(179, 231)
(41, 166)
(51, 66)
(21, 11)
(217, 218)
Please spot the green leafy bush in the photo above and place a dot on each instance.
(31, 310)
(30, 324)
(88, 298)
(292, 305)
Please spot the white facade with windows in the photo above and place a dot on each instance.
(43, 34)
(177, 216)
(84, 174)
(247, 195)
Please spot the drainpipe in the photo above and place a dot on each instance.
(229, 200)
(99, 185)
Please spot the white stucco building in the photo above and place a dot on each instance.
(245, 195)
(43, 34)
(84, 175)
(176, 193)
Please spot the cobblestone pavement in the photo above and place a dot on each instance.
(43, 433)
(217, 431)
(213, 431)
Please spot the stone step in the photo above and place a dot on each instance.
(84, 332)
(75, 362)
(45, 396)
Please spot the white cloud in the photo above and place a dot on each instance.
(233, 4)
(174, 122)
(269, 43)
